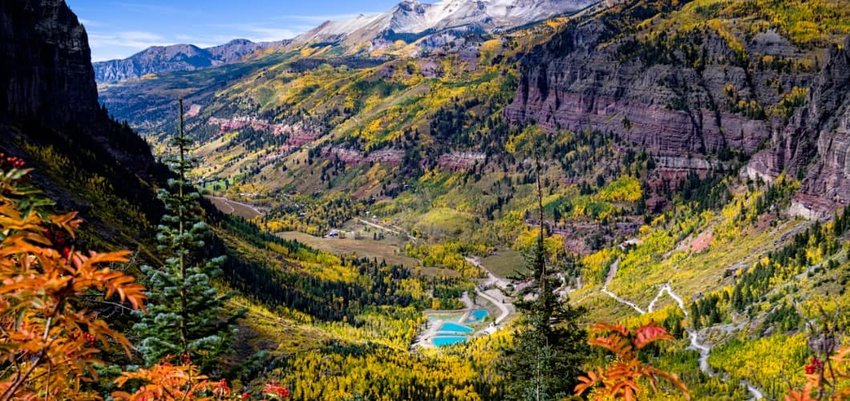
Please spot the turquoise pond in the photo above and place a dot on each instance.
(442, 341)
(452, 327)
(450, 331)
(478, 315)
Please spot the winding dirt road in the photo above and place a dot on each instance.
(696, 344)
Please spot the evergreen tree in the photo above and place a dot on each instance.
(549, 348)
(186, 316)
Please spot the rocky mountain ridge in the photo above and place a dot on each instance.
(699, 99)
(411, 20)
(408, 21)
(181, 57)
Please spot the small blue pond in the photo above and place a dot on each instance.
(452, 327)
(442, 341)
(478, 315)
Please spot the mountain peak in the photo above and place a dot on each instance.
(415, 19)
(179, 57)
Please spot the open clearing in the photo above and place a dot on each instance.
(504, 263)
(366, 248)
(240, 209)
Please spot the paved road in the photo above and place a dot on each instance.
(495, 296)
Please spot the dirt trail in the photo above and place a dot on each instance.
(396, 231)
(696, 343)
(612, 271)
(240, 209)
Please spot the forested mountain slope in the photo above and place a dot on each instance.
(83, 160)
(674, 147)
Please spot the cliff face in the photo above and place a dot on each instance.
(683, 103)
(48, 99)
(48, 85)
(660, 102)
(46, 72)
(816, 143)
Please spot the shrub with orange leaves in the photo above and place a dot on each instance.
(621, 378)
(49, 343)
(275, 391)
(167, 382)
(825, 380)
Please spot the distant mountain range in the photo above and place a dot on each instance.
(409, 21)
(182, 57)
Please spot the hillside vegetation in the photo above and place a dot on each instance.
(372, 154)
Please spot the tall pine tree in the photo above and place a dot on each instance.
(549, 348)
(186, 318)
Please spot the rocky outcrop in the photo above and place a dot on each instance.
(46, 72)
(680, 107)
(49, 92)
(585, 79)
(816, 143)
(161, 59)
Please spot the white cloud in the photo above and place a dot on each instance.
(258, 33)
(128, 39)
(270, 34)
(320, 18)
(106, 46)
(89, 23)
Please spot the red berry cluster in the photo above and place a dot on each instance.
(275, 389)
(815, 365)
(220, 388)
(89, 338)
(11, 161)
(60, 240)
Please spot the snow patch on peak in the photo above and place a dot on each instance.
(414, 17)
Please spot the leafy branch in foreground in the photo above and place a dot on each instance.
(828, 370)
(48, 341)
(621, 378)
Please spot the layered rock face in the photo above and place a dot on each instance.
(686, 115)
(816, 143)
(582, 80)
(46, 72)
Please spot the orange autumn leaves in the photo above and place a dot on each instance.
(48, 339)
(620, 379)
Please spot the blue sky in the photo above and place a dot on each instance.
(120, 28)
